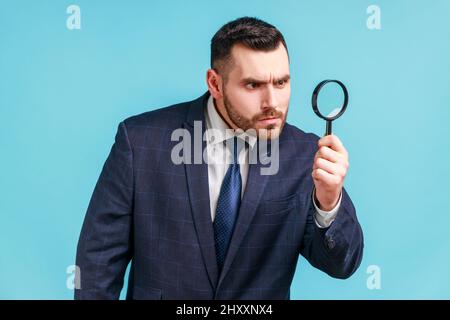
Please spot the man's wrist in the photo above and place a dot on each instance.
(325, 218)
(329, 207)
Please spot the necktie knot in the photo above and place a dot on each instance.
(236, 145)
(235, 150)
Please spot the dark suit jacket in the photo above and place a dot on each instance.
(155, 213)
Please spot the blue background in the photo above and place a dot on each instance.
(63, 93)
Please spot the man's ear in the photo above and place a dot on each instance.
(215, 83)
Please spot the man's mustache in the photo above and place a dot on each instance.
(270, 113)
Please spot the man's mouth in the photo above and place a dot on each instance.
(269, 120)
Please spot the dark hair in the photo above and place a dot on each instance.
(251, 32)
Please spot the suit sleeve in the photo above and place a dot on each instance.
(338, 249)
(105, 244)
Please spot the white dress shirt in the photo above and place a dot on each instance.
(219, 157)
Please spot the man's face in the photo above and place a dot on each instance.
(257, 90)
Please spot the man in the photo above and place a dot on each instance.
(220, 229)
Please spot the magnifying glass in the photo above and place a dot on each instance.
(333, 100)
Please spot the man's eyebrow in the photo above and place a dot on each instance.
(259, 81)
(283, 78)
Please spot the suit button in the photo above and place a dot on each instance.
(330, 243)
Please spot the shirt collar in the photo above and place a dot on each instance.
(222, 131)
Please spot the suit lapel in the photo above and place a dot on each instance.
(198, 189)
(252, 195)
(256, 183)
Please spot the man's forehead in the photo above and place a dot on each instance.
(262, 65)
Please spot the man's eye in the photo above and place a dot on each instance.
(281, 83)
(252, 85)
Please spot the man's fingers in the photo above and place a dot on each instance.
(330, 162)
(333, 142)
(328, 178)
(330, 167)
(329, 154)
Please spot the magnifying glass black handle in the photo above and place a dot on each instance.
(328, 129)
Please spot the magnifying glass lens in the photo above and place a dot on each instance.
(330, 100)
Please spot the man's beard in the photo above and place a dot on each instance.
(270, 131)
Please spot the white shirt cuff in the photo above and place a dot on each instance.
(323, 218)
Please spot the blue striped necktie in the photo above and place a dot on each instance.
(227, 207)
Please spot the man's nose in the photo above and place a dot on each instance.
(270, 98)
